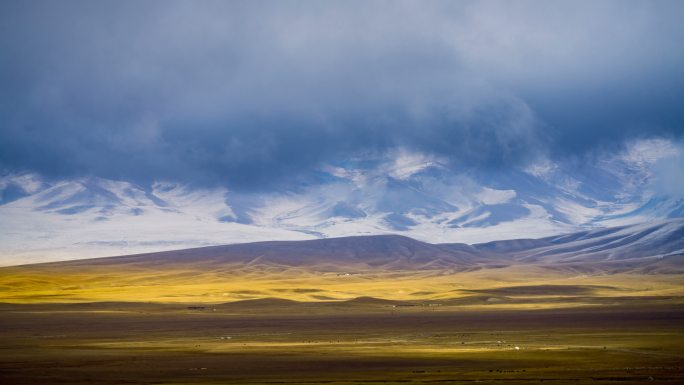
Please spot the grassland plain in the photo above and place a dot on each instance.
(198, 283)
(192, 325)
(204, 318)
(351, 342)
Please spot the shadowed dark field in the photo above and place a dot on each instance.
(357, 342)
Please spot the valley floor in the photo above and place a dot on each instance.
(366, 341)
(206, 321)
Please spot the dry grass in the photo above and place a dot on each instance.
(359, 343)
(179, 323)
(182, 283)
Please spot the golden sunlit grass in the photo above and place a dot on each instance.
(183, 283)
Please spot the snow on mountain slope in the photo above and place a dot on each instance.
(95, 217)
(410, 194)
(655, 240)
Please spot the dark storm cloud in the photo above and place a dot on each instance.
(245, 93)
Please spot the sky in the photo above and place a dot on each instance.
(254, 95)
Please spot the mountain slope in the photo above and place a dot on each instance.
(382, 252)
(643, 243)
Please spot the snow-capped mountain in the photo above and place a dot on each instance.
(404, 193)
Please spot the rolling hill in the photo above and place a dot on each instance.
(614, 260)
(640, 244)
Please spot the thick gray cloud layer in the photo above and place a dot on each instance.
(245, 93)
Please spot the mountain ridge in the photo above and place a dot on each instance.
(637, 244)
